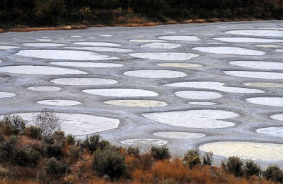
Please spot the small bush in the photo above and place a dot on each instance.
(251, 168)
(70, 140)
(192, 158)
(53, 150)
(93, 143)
(207, 158)
(132, 162)
(14, 123)
(160, 153)
(273, 173)
(55, 167)
(48, 140)
(103, 144)
(146, 161)
(58, 136)
(73, 153)
(27, 157)
(110, 163)
(1, 137)
(9, 129)
(234, 166)
(8, 149)
(33, 132)
(133, 151)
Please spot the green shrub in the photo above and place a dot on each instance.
(251, 168)
(103, 144)
(58, 136)
(110, 163)
(27, 157)
(192, 158)
(55, 167)
(160, 153)
(14, 124)
(133, 151)
(53, 150)
(33, 132)
(48, 140)
(8, 149)
(9, 129)
(273, 173)
(1, 137)
(234, 165)
(70, 140)
(93, 143)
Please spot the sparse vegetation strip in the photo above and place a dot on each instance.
(23, 15)
(44, 154)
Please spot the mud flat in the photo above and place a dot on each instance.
(217, 86)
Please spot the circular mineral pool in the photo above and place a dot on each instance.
(180, 38)
(161, 45)
(39, 70)
(272, 131)
(140, 142)
(269, 101)
(230, 50)
(146, 41)
(198, 95)
(255, 75)
(6, 47)
(98, 44)
(43, 44)
(121, 92)
(87, 64)
(246, 150)
(202, 103)
(194, 118)
(264, 85)
(136, 103)
(101, 49)
(214, 86)
(44, 88)
(6, 94)
(247, 40)
(257, 32)
(59, 102)
(179, 65)
(179, 135)
(83, 81)
(260, 65)
(155, 74)
(63, 55)
(278, 117)
(165, 56)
